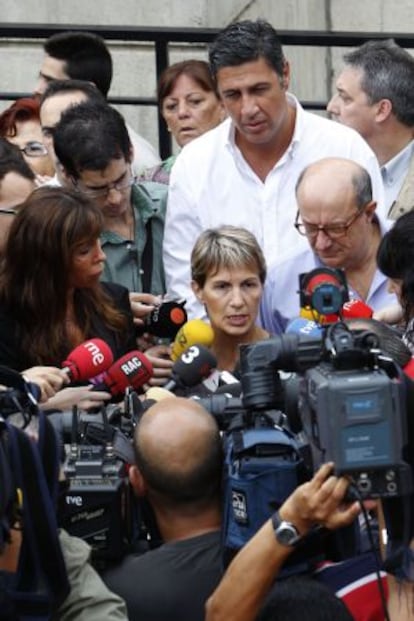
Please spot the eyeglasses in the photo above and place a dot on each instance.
(34, 149)
(333, 231)
(119, 186)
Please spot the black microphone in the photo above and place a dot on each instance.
(166, 319)
(195, 364)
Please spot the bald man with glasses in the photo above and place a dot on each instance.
(337, 215)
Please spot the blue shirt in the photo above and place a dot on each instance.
(280, 300)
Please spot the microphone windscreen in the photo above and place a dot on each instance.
(409, 369)
(356, 309)
(194, 365)
(194, 332)
(88, 360)
(157, 393)
(304, 327)
(166, 319)
(132, 370)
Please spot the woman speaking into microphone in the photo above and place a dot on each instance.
(51, 298)
(228, 271)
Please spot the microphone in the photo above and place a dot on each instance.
(194, 332)
(166, 319)
(409, 368)
(88, 360)
(157, 393)
(304, 327)
(195, 364)
(356, 309)
(132, 370)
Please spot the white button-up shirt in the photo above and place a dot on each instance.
(212, 184)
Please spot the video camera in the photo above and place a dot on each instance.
(98, 504)
(307, 400)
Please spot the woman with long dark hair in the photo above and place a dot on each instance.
(51, 298)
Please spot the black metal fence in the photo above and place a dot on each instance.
(162, 38)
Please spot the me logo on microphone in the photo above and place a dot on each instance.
(132, 366)
(97, 356)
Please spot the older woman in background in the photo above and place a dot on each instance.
(20, 125)
(190, 106)
(228, 271)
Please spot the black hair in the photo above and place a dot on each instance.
(303, 599)
(395, 259)
(90, 135)
(86, 57)
(247, 41)
(56, 87)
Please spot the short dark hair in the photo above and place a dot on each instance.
(198, 486)
(247, 41)
(395, 258)
(387, 73)
(86, 57)
(90, 135)
(56, 87)
(303, 599)
(12, 160)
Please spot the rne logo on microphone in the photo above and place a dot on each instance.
(131, 366)
(97, 355)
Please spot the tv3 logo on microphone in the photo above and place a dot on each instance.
(97, 356)
(190, 355)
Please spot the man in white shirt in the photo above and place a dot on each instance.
(244, 171)
(337, 217)
(375, 96)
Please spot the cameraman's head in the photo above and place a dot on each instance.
(179, 466)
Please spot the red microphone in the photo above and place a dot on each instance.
(409, 368)
(131, 371)
(88, 360)
(356, 309)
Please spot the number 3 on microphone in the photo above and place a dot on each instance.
(189, 355)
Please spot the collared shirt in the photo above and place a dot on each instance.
(212, 184)
(394, 173)
(280, 301)
(124, 256)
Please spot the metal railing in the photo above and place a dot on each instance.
(162, 38)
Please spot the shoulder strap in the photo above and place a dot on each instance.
(147, 259)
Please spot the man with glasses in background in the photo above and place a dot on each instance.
(92, 144)
(337, 215)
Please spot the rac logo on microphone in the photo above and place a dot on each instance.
(132, 366)
(97, 356)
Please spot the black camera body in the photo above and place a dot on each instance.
(96, 505)
(356, 418)
(350, 403)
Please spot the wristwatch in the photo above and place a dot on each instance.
(286, 533)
